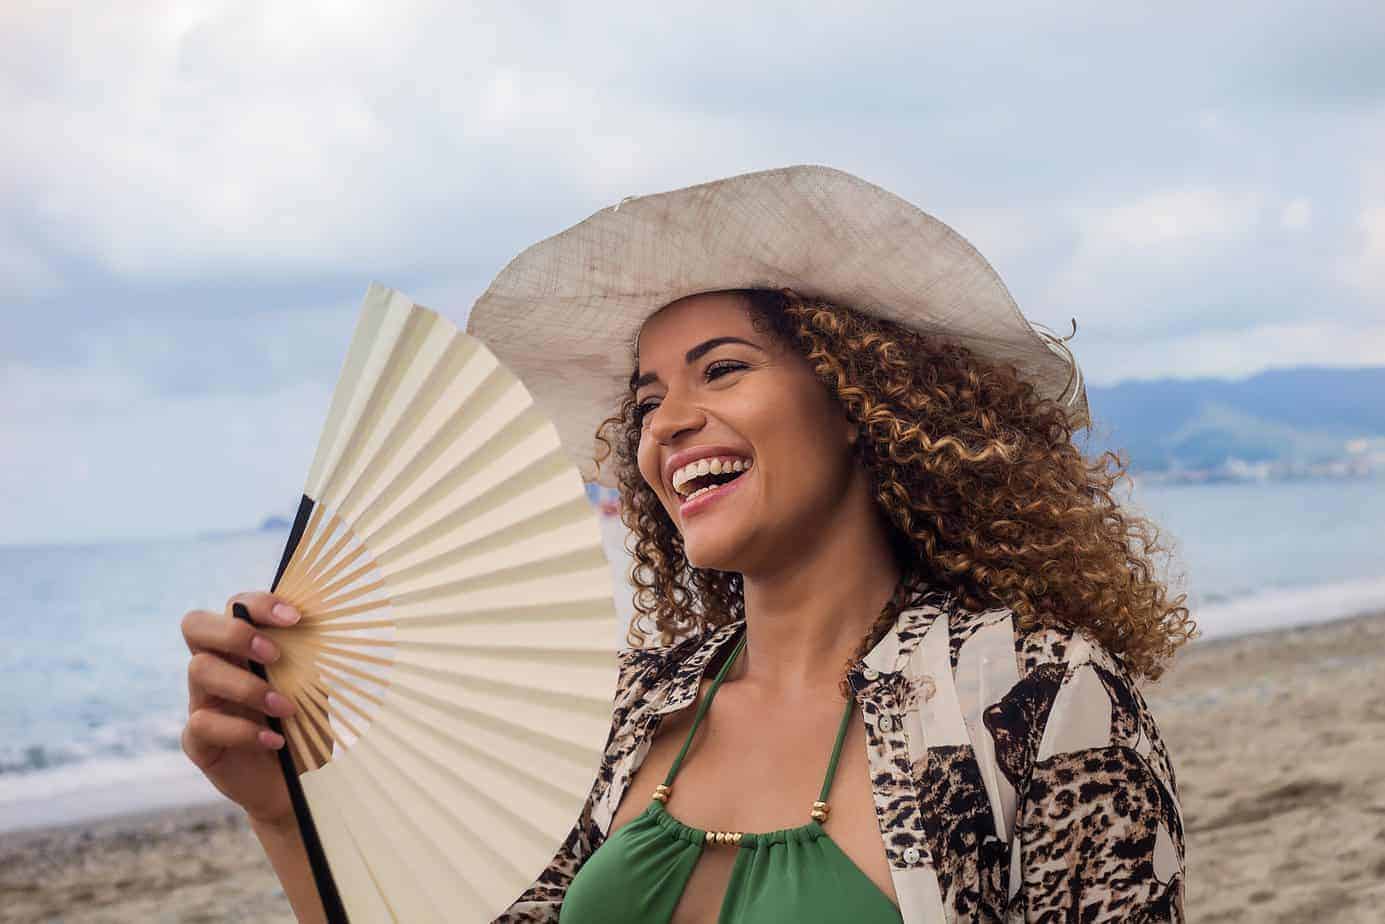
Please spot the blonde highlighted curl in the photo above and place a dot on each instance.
(977, 476)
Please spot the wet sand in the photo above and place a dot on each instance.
(1278, 741)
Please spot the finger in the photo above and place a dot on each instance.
(264, 609)
(209, 734)
(214, 681)
(207, 631)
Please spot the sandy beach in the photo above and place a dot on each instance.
(1278, 740)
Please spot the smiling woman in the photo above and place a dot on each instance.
(907, 608)
(908, 612)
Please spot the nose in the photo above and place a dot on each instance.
(674, 416)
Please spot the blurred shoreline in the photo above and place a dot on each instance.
(1277, 739)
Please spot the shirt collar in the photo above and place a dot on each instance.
(887, 657)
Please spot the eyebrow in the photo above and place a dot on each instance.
(636, 380)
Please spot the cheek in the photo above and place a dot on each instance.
(648, 459)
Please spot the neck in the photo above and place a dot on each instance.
(807, 616)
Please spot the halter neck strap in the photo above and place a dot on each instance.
(707, 702)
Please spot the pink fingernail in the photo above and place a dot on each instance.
(284, 614)
(263, 649)
(271, 740)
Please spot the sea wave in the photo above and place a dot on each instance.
(115, 740)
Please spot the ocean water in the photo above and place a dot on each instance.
(93, 666)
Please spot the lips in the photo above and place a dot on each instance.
(707, 498)
(681, 458)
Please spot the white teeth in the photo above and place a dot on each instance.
(700, 491)
(710, 466)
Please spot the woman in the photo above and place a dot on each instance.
(901, 620)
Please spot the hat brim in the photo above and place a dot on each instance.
(564, 314)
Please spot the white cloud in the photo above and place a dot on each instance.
(1365, 269)
(1153, 260)
(164, 156)
(1171, 220)
(1233, 353)
(1297, 214)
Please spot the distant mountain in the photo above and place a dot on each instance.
(1282, 420)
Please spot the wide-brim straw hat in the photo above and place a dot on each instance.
(564, 314)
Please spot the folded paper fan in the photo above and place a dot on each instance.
(455, 663)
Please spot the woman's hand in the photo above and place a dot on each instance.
(226, 735)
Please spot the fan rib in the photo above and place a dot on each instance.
(353, 594)
(313, 555)
(315, 724)
(326, 704)
(331, 572)
(346, 685)
(383, 681)
(294, 733)
(290, 578)
(329, 615)
(344, 581)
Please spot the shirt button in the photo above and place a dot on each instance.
(911, 855)
(870, 673)
(885, 723)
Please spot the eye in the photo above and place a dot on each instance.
(713, 371)
(725, 365)
(642, 409)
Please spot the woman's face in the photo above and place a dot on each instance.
(710, 385)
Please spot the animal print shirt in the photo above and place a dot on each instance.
(1018, 775)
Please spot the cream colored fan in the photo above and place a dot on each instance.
(456, 662)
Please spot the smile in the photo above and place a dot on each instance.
(710, 472)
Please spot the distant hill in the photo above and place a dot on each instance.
(1305, 416)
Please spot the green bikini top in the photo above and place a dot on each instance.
(796, 874)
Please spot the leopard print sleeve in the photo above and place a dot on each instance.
(1099, 829)
(543, 900)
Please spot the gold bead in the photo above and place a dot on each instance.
(736, 838)
(818, 815)
(723, 837)
(711, 837)
(661, 792)
(820, 805)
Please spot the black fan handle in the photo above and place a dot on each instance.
(317, 858)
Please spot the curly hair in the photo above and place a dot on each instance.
(976, 475)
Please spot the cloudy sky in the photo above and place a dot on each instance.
(195, 195)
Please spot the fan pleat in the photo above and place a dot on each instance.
(383, 313)
(552, 532)
(355, 882)
(450, 449)
(467, 842)
(461, 856)
(438, 426)
(466, 500)
(563, 748)
(515, 797)
(396, 856)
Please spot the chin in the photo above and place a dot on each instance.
(716, 553)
